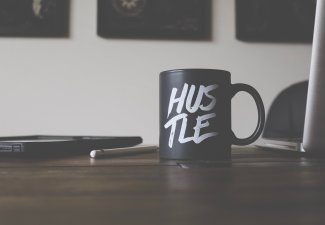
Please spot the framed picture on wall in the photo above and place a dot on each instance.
(34, 18)
(275, 20)
(155, 19)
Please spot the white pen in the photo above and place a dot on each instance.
(139, 149)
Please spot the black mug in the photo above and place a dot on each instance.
(195, 114)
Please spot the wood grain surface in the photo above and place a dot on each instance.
(256, 187)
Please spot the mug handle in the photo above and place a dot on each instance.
(261, 113)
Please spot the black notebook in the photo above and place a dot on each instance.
(41, 145)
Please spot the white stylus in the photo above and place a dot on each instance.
(139, 149)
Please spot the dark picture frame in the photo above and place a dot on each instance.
(155, 19)
(275, 20)
(34, 18)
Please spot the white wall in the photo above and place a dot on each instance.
(94, 86)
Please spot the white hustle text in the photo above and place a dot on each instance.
(202, 121)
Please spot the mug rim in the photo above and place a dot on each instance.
(169, 72)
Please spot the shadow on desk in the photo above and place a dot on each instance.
(241, 157)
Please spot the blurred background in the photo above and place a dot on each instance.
(89, 85)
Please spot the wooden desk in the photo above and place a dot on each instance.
(258, 187)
